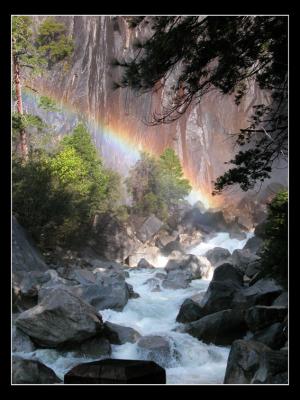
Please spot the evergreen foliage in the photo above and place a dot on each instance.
(157, 184)
(275, 250)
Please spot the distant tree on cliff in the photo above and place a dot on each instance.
(34, 53)
(157, 184)
(225, 54)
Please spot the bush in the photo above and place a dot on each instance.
(275, 249)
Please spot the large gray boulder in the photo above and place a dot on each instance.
(263, 292)
(242, 258)
(175, 245)
(254, 244)
(25, 255)
(144, 264)
(272, 336)
(155, 348)
(190, 311)
(258, 317)
(149, 228)
(217, 255)
(31, 372)
(95, 347)
(61, 317)
(220, 328)
(21, 342)
(118, 334)
(253, 362)
(207, 222)
(108, 290)
(197, 266)
(177, 279)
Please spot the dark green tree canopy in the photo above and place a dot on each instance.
(225, 54)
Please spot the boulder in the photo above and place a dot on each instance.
(252, 269)
(132, 293)
(60, 318)
(243, 361)
(94, 347)
(273, 336)
(175, 245)
(207, 222)
(110, 290)
(31, 372)
(155, 348)
(217, 255)
(149, 228)
(21, 342)
(197, 266)
(189, 311)
(262, 292)
(112, 238)
(254, 244)
(220, 328)
(25, 255)
(259, 230)
(153, 284)
(227, 272)
(160, 275)
(177, 280)
(281, 300)
(113, 371)
(242, 258)
(118, 334)
(255, 363)
(144, 264)
(258, 317)
(273, 368)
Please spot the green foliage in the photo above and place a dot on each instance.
(22, 41)
(63, 190)
(52, 42)
(157, 184)
(47, 104)
(275, 250)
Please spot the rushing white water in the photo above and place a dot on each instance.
(192, 361)
(222, 239)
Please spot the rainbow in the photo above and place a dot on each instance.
(121, 140)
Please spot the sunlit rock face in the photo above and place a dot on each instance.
(116, 117)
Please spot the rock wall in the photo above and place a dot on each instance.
(200, 137)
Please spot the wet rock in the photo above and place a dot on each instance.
(60, 318)
(21, 341)
(175, 245)
(153, 283)
(254, 244)
(227, 272)
(94, 347)
(149, 228)
(109, 290)
(189, 311)
(207, 222)
(220, 328)
(31, 372)
(273, 368)
(177, 280)
(160, 275)
(242, 258)
(281, 300)
(144, 264)
(118, 334)
(155, 348)
(217, 255)
(262, 292)
(197, 266)
(116, 371)
(273, 336)
(132, 293)
(252, 269)
(258, 317)
(243, 361)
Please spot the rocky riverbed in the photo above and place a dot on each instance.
(196, 305)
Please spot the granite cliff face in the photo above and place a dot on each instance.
(200, 137)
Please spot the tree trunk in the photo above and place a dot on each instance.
(23, 134)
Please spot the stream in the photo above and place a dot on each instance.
(192, 361)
